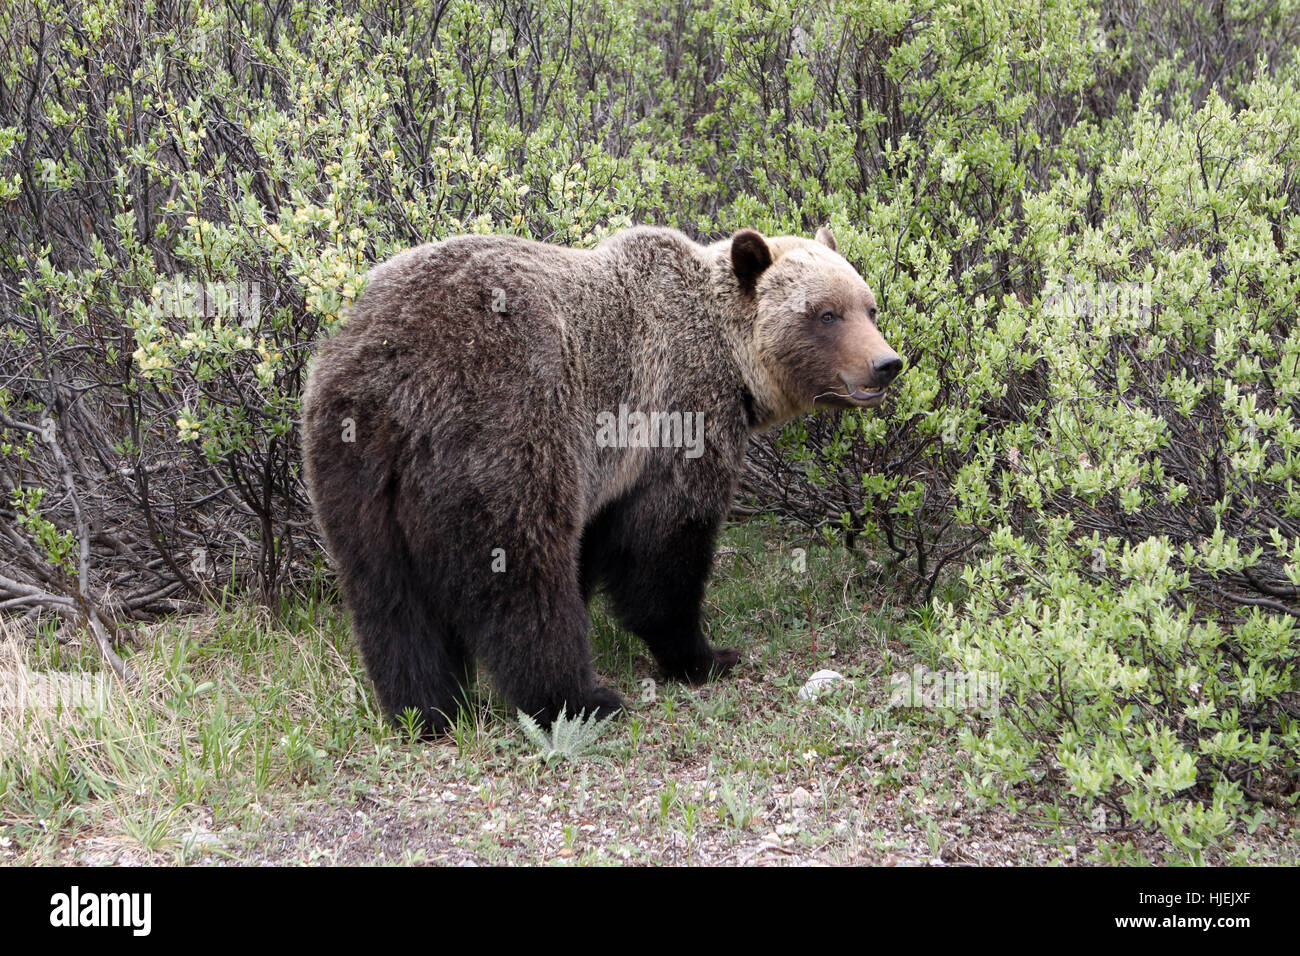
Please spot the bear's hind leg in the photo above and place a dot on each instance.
(532, 639)
(413, 657)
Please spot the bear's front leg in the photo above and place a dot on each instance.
(655, 566)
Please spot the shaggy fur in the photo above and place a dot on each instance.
(450, 434)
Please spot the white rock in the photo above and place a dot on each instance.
(819, 683)
(801, 798)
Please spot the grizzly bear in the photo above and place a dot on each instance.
(503, 426)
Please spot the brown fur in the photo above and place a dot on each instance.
(473, 371)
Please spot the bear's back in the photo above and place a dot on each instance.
(479, 343)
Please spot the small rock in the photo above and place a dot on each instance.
(819, 683)
(800, 797)
(202, 840)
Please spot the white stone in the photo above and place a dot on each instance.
(819, 683)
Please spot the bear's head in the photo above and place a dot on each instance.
(814, 336)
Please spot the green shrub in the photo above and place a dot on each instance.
(189, 204)
(1082, 219)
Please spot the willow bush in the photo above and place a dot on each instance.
(191, 206)
(1081, 218)
(1138, 594)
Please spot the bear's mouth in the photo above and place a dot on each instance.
(866, 396)
(853, 396)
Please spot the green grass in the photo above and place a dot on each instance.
(251, 739)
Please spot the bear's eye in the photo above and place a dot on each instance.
(829, 317)
(872, 314)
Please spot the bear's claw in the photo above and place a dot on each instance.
(724, 659)
(721, 660)
(604, 702)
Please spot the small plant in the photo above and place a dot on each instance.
(738, 809)
(411, 723)
(570, 738)
(150, 826)
(304, 758)
(469, 734)
(667, 797)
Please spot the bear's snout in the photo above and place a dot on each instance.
(886, 370)
(867, 364)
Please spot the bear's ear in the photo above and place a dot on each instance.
(750, 256)
(827, 238)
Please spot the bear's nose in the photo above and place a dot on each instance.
(886, 371)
